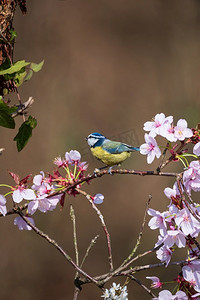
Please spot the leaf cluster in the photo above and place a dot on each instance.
(19, 71)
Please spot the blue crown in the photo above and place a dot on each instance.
(97, 135)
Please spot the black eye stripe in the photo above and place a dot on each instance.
(96, 137)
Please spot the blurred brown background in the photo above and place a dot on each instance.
(110, 65)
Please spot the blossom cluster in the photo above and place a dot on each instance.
(46, 189)
(163, 126)
(116, 292)
(179, 225)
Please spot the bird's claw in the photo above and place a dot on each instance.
(110, 171)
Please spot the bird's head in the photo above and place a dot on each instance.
(95, 138)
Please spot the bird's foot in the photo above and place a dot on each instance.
(110, 171)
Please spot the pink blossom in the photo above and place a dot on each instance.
(3, 209)
(167, 131)
(158, 221)
(22, 225)
(191, 177)
(174, 237)
(186, 222)
(195, 296)
(167, 295)
(22, 193)
(155, 282)
(172, 194)
(150, 148)
(164, 254)
(82, 166)
(38, 181)
(180, 295)
(181, 131)
(191, 273)
(98, 198)
(155, 126)
(43, 203)
(72, 157)
(196, 149)
(58, 161)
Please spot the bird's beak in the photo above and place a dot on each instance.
(86, 138)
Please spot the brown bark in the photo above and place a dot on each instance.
(7, 11)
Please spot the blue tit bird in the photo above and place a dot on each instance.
(109, 152)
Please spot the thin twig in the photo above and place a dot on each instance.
(140, 234)
(121, 268)
(73, 218)
(162, 158)
(76, 293)
(101, 173)
(93, 241)
(5, 39)
(103, 277)
(174, 155)
(142, 285)
(22, 107)
(55, 244)
(15, 210)
(103, 225)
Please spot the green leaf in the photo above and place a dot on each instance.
(16, 67)
(29, 75)
(6, 120)
(4, 106)
(32, 122)
(13, 34)
(5, 65)
(37, 67)
(19, 78)
(25, 132)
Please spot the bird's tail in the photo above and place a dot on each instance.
(134, 149)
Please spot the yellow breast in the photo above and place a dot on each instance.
(108, 158)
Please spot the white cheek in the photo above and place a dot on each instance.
(91, 141)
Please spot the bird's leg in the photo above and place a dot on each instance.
(109, 170)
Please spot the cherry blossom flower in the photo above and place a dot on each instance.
(167, 131)
(174, 237)
(191, 177)
(22, 193)
(158, 221)
(167, 295)
(22, 225)
(38, 180)
(181, 131)
(150, 148)
(98, 198)
(58, 161)
(43, 203)
(195, 296)
(191, 273)
(196, 149)
(72, 157)
(164, 254)
(155, 282)
(82, 166)
(173, 194)
(3, 209)
(186, 222)
(155, 126)
(180, 295)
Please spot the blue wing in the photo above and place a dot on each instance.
(117, 147)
